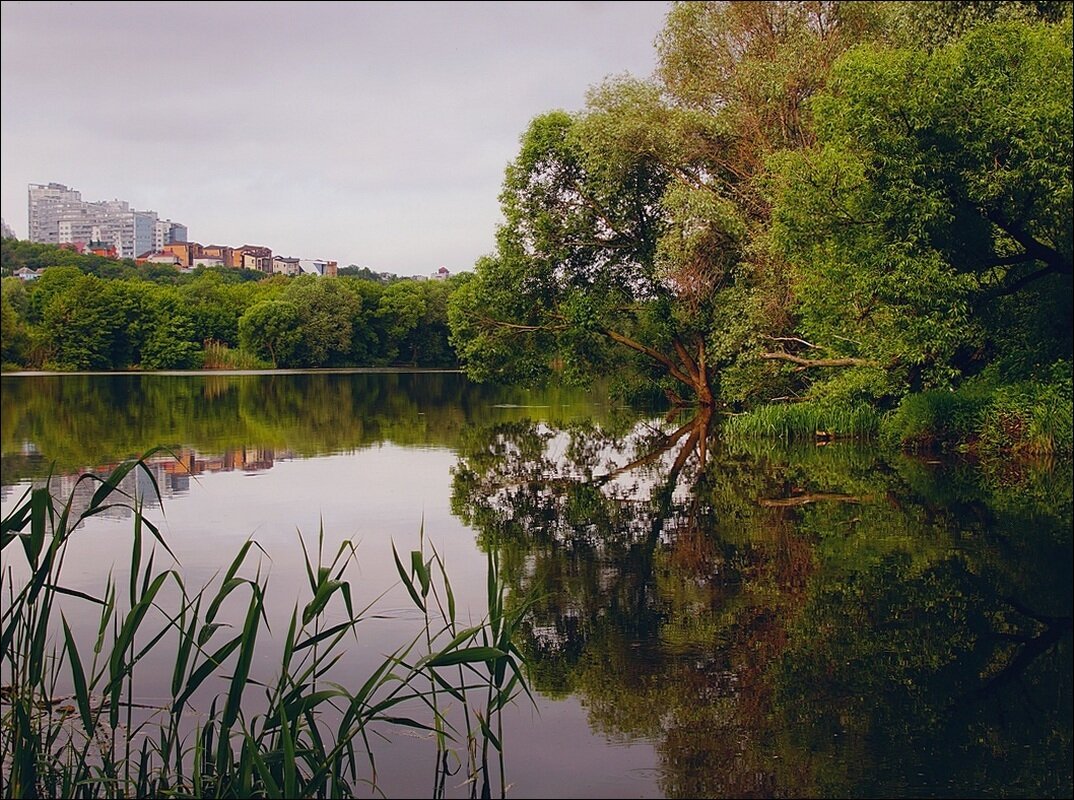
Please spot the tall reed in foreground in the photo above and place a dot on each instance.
(493, 651)
(73, 722)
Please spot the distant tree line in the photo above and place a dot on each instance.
(88, 312)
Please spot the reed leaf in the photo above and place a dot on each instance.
(78, 677)
(307, 739)
(466, 655)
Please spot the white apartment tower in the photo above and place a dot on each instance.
(49, 203)
(59, 215)
(167, 232)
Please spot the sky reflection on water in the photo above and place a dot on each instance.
(710, 619)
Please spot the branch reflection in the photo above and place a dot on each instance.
(786, 622)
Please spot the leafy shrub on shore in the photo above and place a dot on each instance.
(935, 419)
(1032, 417)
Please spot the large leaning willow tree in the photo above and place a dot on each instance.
(632, 228)
(798, 206)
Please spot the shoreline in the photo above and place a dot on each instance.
(299, 371)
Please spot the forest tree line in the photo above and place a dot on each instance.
(93, 313)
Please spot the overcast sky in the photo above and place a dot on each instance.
(367, 133)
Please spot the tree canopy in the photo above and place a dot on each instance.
(940, 185)
(78, 316)
(797, 205)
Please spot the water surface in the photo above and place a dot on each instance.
(710, 619)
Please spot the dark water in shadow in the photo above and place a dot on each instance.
(710, 619)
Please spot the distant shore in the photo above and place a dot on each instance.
(342, 370)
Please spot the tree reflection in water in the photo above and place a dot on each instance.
(816, 621)
(788, 622)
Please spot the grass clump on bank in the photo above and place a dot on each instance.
(218, 355)
(806, 420)
(986, 415)
(74, 724)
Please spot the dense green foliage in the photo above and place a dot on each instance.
(88, 312)
(928, 239)
(803, 204)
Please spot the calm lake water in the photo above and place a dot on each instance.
(711, 619)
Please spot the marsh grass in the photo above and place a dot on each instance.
(217, 355)
(73, 722)
(797, 421)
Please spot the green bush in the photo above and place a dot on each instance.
(1033, 417)
(935, 419)
(1030, 417)
(853, 387)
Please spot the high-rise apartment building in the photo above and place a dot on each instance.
(58, 215)
(48, 204)
(167, 232)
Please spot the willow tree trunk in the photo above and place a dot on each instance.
(685, 367)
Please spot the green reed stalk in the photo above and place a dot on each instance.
(796, 421)
(304, 737)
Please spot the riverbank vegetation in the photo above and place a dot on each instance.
(816, 216)
(805, 214)
(84, 717)
(85, 315)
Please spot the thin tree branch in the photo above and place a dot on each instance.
(806, 499)
(686, 359)
(792, 339)
(806, 363)
(1002, 290)
(1035, 249)
(498, 323)
(656, 355)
